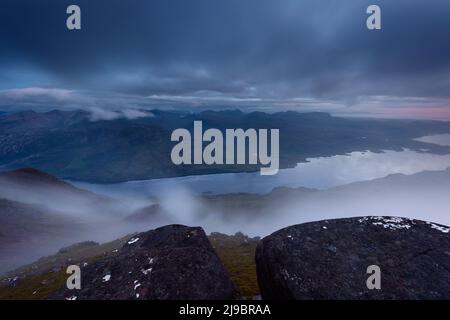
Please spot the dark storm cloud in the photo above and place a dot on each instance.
(243, 52)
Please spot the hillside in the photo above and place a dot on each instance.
(324, 259)
(70, 145)
(47, 274)
(39, 213)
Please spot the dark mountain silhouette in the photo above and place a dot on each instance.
(20, 222)
(24, 228)
(69, 145)
(39, 213)
(36, 181)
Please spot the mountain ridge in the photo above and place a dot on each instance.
(71, 146)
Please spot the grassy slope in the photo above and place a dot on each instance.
(238, 255)
(46, 275)
(39, 279)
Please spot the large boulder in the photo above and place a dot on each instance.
(329, 260)
(171, 262)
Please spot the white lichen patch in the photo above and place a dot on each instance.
(391, 223)
(133, 240)
(146, 271)
(287, 276)
(439, 228)
(290, 237)
(107, 278)
(136, 286)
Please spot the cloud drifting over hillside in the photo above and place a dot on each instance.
(300, 54)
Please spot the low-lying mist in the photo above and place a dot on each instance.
(423, 196)
(63, 216)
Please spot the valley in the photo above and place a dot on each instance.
(71, 145)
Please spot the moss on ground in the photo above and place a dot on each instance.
(48, 274)
(34, 287)
(238, 255)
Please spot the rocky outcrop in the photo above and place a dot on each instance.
(171, 262)
(329, 260)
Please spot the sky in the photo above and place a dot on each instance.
(268, 55)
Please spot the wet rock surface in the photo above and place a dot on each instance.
(171, 262)
(329, 260)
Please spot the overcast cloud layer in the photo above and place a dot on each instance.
(254, 54)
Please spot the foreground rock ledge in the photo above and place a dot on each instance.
(171, 262)
(329, 260)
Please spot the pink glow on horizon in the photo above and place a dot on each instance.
(429, 113)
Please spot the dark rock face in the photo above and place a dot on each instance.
(329, 259)
(171, 262)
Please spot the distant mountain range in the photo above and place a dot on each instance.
(69, 145)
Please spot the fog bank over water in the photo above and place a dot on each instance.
(317, 173)
(392, 183)
(439, 139)
(398, 183)
(422, 196)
